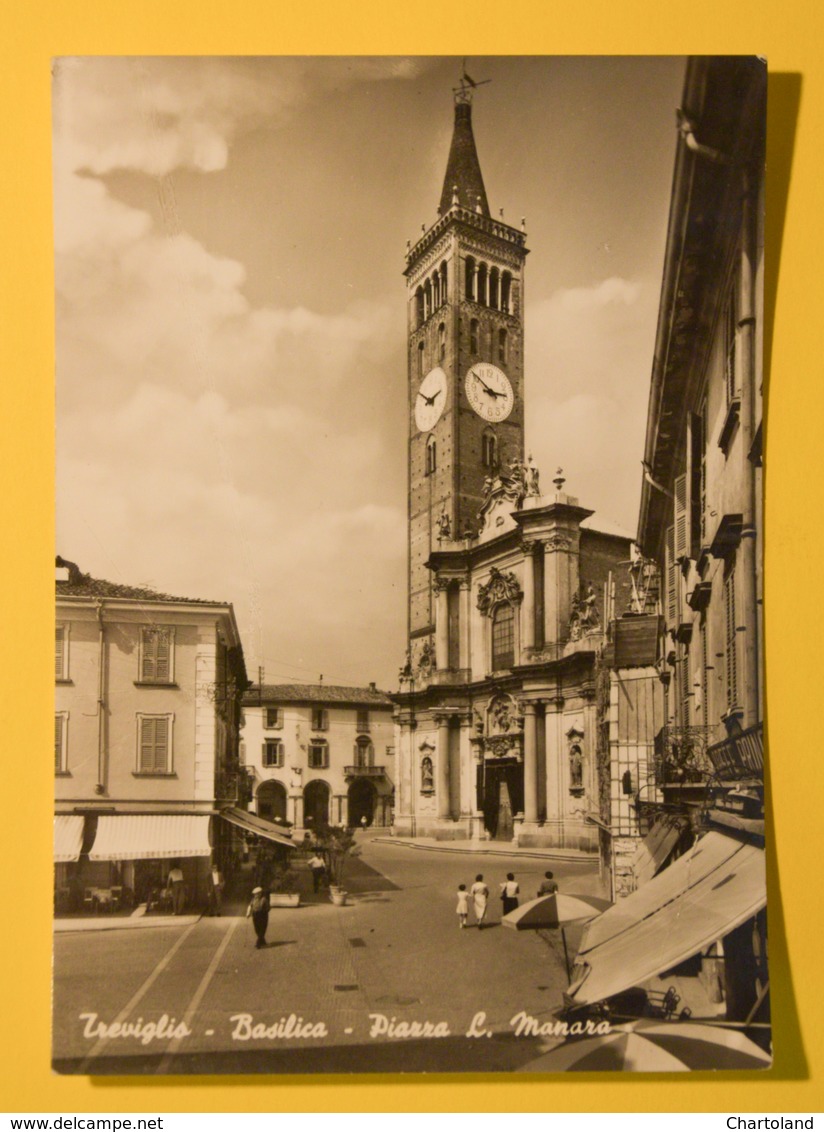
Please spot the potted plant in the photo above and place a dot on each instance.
(284, 889)
(338, 845)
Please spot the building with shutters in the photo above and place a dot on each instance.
(147, 723)
(701, 505)
(319, 754)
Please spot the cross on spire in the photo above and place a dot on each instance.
(466, 86)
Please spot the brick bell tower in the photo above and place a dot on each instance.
(465, 279)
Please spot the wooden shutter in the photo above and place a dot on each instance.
(157, 654)
(59, 646)
(671, 570)
(154, 744)
(694, 483)
(680, 519)
(732, 640)
(58, 743)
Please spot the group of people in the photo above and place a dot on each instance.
(509, 892)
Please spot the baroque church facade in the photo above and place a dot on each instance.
(509, 584)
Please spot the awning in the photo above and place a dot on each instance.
(68, 837)
(700, 898)
(656, 847)
(128, 837)
(257, 825)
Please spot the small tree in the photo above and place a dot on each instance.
(338, 845)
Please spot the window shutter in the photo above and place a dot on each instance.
(58, 743)
(695, 483)
(671, 611)
(681, 526)
(59, 641)
(685, 688)
(732, 640)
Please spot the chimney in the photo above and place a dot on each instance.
(373, 686)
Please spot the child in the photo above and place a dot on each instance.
(463, 905)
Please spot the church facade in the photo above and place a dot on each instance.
(509, 585)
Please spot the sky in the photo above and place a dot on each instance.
(231, 317)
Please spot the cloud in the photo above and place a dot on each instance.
(586, 414)
(160, 114)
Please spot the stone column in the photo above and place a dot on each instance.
(297, 810)
(528, 604)
(530, 765)
(464, 614)
(442, 629)
(443, 766)
(554, 806)
(560, 583)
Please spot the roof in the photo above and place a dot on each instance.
(315, 694)
(463, 169)
(84, 585)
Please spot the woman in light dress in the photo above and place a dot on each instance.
(480, 895)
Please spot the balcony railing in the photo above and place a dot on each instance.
(739, 756)
(364, 771)
(681, 756)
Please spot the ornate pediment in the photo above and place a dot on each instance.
(502, 586)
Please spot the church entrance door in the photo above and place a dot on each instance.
(503, 796)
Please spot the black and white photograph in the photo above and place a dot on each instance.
(409, 686)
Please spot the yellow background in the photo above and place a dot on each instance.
(791, 35)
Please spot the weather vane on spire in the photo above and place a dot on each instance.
(463, 92)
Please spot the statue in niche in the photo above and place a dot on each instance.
(532, 478)
(427, 775)
(504, 716)
(406, 672)
(576, 770)
(427, 657)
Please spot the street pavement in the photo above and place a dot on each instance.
(386, 983)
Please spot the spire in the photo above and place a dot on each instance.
(463, 170)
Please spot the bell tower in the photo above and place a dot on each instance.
(465, 279)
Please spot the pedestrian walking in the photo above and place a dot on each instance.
(259, 911)
(463, 905)
(215, 892)
(480, 895)
(548, 885)
(318, 866)
(175, 884)
(509, 893)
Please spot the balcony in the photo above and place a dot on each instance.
(740, 756)
(364, 771)
(681, 757)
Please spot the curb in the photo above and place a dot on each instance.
(133, 923)
(482, 849)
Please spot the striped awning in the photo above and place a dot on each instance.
(252, 823)
(68, 837)
(129, 837)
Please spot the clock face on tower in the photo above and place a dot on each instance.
(489, 392)
(430, 401)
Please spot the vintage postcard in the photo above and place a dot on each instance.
(408, 682)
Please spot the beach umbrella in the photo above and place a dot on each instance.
(649, 1046)
(553, 911)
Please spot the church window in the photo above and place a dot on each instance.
(494, 291)
(420, 359)
(503, 637)
(482, 284)
(431, 456)
(506, 291)
(473, 336)
(502, 346)
(436, 290)
(489, 448)
(441, 342)
(470, 278)
(443, 282)
(427, 299)
(419, 315)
